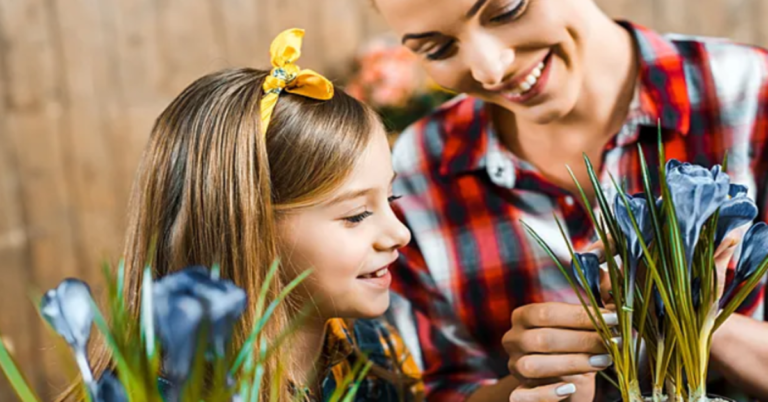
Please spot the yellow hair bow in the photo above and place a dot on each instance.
(285, 75)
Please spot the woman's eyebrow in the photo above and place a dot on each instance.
(471, 13)
(475, 8)
(422, 35)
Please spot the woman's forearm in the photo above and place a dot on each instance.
(740, 353)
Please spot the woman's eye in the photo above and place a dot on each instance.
(511, 14)
(359, 217)
(394, 198)
(442, 52)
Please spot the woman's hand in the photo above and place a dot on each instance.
(551, 345)
(576, 388)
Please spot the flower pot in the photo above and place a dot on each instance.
(712, 398)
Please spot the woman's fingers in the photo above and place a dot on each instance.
(724, 254)
(550, 366)
(556, 340)
(544, 393)
(557, 315)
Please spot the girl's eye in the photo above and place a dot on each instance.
(511, 14)
(359, 217)
(394, 198)
(442, 52)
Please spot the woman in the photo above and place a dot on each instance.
(546, 82)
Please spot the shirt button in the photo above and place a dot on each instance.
(569, 201)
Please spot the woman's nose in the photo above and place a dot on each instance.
(489, 60)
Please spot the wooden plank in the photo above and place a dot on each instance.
(373, 21)
(88, 65)
(33, 119)
(139, 84)
(672, 16)
(240, 28)
(740, 22)
(341, 41)
(187, 45)
(759, 18)
(640, 12)
(15, 324)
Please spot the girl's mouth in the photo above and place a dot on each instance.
(378, 278)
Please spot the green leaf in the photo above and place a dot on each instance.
(216, 271)
(350, 396)
(147, 318)
(576, 288)
(742, 294)
(123, 365)
(265, 317)
(15, 377)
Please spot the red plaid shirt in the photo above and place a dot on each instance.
(471, 263)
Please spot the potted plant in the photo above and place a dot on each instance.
(667, 292)
(185, 327)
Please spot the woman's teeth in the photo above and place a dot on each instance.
(529, 81)
(377, 274)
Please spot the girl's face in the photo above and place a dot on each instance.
(523, 55)
(349, 239)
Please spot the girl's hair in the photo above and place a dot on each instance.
(211, 188)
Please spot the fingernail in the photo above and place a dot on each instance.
(604, 266)
(600, 361)
(611, 319)
(618, 341)
(567, 389)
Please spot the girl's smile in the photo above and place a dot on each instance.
(349, 239)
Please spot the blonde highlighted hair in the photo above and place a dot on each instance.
(212, 189)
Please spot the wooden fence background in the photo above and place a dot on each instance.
(82, 80)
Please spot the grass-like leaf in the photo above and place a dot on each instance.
(15, 377)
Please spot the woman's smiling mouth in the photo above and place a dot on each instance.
(529, 85)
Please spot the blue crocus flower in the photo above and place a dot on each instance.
(68, 310)
(110, 389)
(638, 205)
(185, 301)
(590, 266)
(697, 193)
(738, 210)
(660, 312)
(178, 321)
(696, 292)
(754, 250)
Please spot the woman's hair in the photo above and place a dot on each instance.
(210, 188)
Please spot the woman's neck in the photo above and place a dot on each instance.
(611, 72)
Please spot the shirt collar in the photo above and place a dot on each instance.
(661, 96)
(338, 345)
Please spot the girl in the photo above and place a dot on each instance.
(246, 166)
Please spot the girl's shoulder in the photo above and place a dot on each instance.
(381, 344)
(379, 340)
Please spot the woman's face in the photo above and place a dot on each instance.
(523, 55)
(349, 239)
